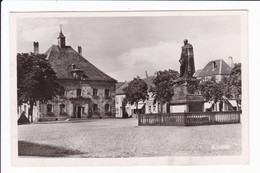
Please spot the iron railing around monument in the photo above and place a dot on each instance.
(189, 118)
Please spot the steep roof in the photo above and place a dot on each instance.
(120, 90)
(62, 59)
(148, 81)
(61, 35)
(119, 84)
(217, 67)
(197, 73)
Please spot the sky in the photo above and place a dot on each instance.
(126, 47)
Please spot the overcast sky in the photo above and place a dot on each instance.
(126, 47)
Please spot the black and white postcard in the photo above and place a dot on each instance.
(129, 88)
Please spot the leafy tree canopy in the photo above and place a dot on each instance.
(36, 80)
(211, 90)
(234, 82)
(229, 87)
(234, 89)
(163, 85)
(136, 91)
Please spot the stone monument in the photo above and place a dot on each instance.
(186, 98)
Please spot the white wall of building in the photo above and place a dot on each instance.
(178, 108)
(119, 108)
(150, 106)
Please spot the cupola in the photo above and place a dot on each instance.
(61, 39)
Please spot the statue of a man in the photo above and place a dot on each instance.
(187, 67)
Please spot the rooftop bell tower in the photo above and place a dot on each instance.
(61, 39)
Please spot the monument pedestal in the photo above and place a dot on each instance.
(186, 98)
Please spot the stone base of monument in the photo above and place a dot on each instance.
(186, 98)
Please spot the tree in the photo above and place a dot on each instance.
(212, 91)
(163, 85)
(136, 91)
(36, 80)
(234, 83)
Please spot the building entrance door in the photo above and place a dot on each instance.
(79, 111)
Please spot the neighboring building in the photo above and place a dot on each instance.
(119, 100)
(223, 105)
(146, 107)
(218, 69)
(197, 72)
(87, 90)
(150, 106)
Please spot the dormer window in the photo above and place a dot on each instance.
(77, 73)
(73, 66)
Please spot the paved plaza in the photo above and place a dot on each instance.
(113, 138)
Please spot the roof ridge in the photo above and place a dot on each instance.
(48, 52)
(91, 64)
(62, 58)
(222, 69)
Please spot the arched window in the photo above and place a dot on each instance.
(49, 108)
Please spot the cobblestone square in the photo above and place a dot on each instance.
(115, 138)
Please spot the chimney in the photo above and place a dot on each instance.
(220, 67)
(146, 74)
(80, 50)
(231, 61)
(35, 47)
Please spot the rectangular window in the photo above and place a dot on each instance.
(94, 92)
(106, 107)
(95, 107)
(62, 109)
(150, 108)
(49, 108)
(106, 92)
(154, 108)
(78, 92)
(62, 90)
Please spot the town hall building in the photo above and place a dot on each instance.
(87, 91)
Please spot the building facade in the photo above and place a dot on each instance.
(219, 70)
(144, 107)
(87, 91)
